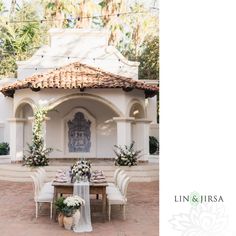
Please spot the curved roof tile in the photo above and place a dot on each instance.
(78, 76)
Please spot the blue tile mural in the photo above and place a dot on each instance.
(79, 134)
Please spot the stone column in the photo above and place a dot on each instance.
(16, 138)
(142, 137)
(151, 105)
(124, 136)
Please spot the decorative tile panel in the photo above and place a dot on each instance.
(79, 134)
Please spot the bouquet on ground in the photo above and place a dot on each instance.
(81, 168)
(126, 156)
(68, 206)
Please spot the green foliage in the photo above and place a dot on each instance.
(153, 145)
(63, 208)
(149, 59)
(2, 7)
(4, 149)
(133, 34)
(19, 40)
(126, 156)
(68, 206)
(37, 153)
(60, 205)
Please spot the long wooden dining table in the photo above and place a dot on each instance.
(67, 188)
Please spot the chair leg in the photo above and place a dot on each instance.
(97, 196)
(109, 212)
(50, 210)
(36, 210)
(123, 206)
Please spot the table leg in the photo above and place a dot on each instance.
(104, 200)
(54, 200)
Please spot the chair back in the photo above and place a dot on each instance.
(42, 170)
(35, 185)
(121, 179)
(116, 174)
(40, 179)
(42, 173)
(124, 186)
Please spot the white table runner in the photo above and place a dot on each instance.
(84, 225)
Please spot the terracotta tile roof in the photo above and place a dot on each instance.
(78, 76)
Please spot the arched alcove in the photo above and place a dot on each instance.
(24, 110)
(103, 130)
(137, 111)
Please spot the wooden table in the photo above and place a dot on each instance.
(67, 188)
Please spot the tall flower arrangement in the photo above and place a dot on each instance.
(37, 153)
(126, 156)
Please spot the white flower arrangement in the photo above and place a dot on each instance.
(74, 202)
(126, 156)
(81, 168)
(69, 205)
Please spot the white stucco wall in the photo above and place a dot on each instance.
(27, 112)
(105, 130)
(6, 109)
(117, 98)
(117, 104)
(72, 45)
(6, 112)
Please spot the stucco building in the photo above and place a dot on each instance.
(94, 96)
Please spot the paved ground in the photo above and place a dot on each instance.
(17, 214)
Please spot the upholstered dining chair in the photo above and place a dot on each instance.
(118, 197)
(115, 175)
(118, 182)
(40, 195)
(42, 176)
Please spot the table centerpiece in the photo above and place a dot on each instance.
(81, 170)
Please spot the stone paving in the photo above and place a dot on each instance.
(17, 214)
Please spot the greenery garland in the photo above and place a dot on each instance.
(37, 153)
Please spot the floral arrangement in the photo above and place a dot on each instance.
(37, 153)
(126, 156)
(81, 168)
(68, 206)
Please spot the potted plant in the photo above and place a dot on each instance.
(60, 205)
(69, 208)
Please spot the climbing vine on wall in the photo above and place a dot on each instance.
(37, 153)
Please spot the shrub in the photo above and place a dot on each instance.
(126, 156)
(153, 145)
(4, 149)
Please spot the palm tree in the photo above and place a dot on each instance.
(19, 40)
(12, 9)
(112, 12)
(85, 13)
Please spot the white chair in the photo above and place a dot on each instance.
(40, 196)
(42, 176)
(116, 173)
(117, 186)
(118, 198)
